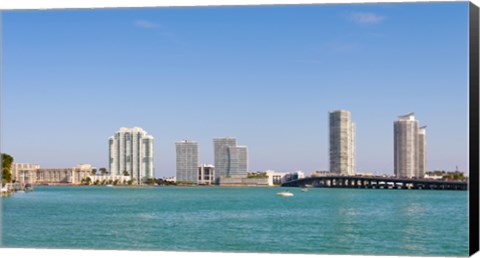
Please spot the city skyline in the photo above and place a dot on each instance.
(180, 73)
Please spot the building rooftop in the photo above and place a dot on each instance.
(409, 116)
(186, 141)
(339, 111)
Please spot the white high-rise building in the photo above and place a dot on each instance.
(422, 151)
(187, 161)
(342, 142)
(230, 159)
(131, 151)
(409, 147)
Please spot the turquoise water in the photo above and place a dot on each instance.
(320, 221)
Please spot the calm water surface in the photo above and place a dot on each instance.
(320, 221)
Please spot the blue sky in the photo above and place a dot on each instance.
(267, 75)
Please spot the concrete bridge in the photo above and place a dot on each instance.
(376, 182)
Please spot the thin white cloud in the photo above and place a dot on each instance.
(366, 18)
(146, 24)
(158, 29)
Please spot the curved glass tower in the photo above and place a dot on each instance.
(230, 159)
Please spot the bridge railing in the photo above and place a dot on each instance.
(376, 182)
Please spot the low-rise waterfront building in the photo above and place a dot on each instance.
(432, 176)
(63, 175)
(109, 179)
(206, 174)
(364, 174)
(322, 173)
(172, 179)
(276, 178)
(239, 180)
(24, 172)
(294, 176)
(259, 178)
(33, 174)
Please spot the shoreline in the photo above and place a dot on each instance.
(151, 186)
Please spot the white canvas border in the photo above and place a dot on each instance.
(89, 4)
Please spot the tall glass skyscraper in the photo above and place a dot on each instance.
(221, 157)
(409, 147)
(187, 161)
(230, 159)
(238, 160)
(342, 142)
(131, 151)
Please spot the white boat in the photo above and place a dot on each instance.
(304, 189)
(285, 193)
(109, 185)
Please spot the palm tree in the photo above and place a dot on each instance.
(125, 173)
(151, 181)
(94, 171)
(103, 171)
